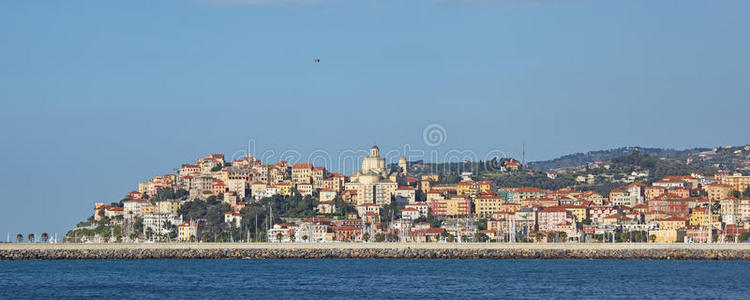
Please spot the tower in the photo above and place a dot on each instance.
(374, 151)
(402, 165)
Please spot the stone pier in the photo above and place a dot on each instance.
(375, 250)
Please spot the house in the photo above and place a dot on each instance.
(312, 230)
(233, 218)
(423, 208)
(187, 231)
(364, 208)
(327, 195)
(410, 213)
(284, 232)
(405, 195)
(348, 233)
(305, 189)
(326, 207)
(671, 223)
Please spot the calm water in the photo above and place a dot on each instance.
(353, 279)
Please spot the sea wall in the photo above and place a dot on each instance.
(398, 253)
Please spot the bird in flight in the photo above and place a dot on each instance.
(317, 60)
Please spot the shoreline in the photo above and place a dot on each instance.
(375, 250)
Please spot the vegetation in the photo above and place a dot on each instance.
(581, 159)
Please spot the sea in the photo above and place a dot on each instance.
(374, 279)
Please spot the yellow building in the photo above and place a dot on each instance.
(672, 223)
(451, 207)
(717, 191)
(736, 181)
(285, 189)
(510, 207)
(187, 230)
(148, 209)
(485, 207)
(699, 217)
(302, 173)
(579, 211)
(471, 187)
(667, 236)
(168, 207)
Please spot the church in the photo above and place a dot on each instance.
(374, 182)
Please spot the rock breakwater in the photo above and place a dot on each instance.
(378, 253)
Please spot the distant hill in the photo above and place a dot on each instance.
(580, 159)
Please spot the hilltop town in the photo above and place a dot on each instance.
(246, 200)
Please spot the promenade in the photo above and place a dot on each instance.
(375, 250)
(426, 246)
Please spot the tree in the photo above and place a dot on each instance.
(30, 237)
(305, 237)
(45, 237)
(279, 236)
(366, 237)
(652, 238)
(744, 236)
(380, 237)
(481, 237)
(19, 237)
(551, 237)
(586, 221)
(482, 224)
(746, 193)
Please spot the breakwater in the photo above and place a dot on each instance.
(384, 251)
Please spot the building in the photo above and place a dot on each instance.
(364, 208)
(628, 195)
(549, 218)
(326, 207)
(233, 218)
(327, 195)
(373, 182)
(700, 216)
(453, 207)
(160, 223)
(405, 195)
(736, 181)
(410, 213)
(718, 191)
(422, 208)
(132, 207)
(485, 207)
(671, 223)
(305, 189)
(187, 231)
(471, 187)
(302, 173)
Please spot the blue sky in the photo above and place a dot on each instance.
(98, 96)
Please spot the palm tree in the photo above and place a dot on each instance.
(45, 237)
(30, 237)
(19, 237)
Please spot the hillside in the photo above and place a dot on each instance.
(580, 159)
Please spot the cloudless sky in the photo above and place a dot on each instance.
(97, 96)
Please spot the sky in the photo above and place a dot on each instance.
(96, 96)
